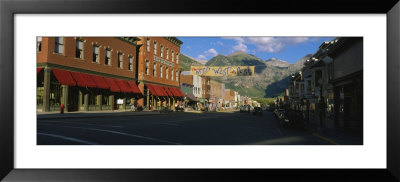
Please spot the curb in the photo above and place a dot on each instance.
(325, 139)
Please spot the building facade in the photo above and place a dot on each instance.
(158, 72)
(86, 73)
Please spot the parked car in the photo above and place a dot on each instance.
(245, 108)
(257, 111)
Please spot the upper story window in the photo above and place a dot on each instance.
(162, 51)
(147, 67)
(172, 56)
(148, 45)
(166, 73)
(38, 44)
(167, 52)
(79, 48)
(176, 76)
(172, 74)
(155, 48)
(161, 71)
(130, 67)
(108, 57)
(154, 70)
(96, 54)
(177, 58)
(120, 60)
(59, 45)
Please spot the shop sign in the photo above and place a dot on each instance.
(120, 101)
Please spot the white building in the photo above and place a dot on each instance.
(197, 86)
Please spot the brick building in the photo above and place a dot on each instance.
(86, 73)
(158, 71)
(206, 90)
(215, 94)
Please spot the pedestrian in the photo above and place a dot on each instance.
(133, 107)
(62, 109)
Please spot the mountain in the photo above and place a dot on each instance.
(186, 62)
(277, 63)
(238, 58)
(299, 64)
(271, 77)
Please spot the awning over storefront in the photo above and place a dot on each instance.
(64, 77)
(134, 88)
(167, 91)
(160, 90)
(38, 70)
(79, 79)
(191, 97)
(123, 85)
(178, 92)
(89, 80)
(100, 82)
(113, 85)
(152, 90)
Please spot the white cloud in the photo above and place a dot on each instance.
(267, 44)
(201, 57)
(240, 47)
(220, 43)
(211, 52)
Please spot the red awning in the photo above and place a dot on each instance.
(172, 91)
(152, 90)
(167, 91)
(113, 85)
(160, 90)
(64, 77)
(134, 87)
(79, 79)
(123, 85)
(180, 92)
(89, 80)
(38, 70)
(100, 82)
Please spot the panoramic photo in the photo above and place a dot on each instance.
(199, 90)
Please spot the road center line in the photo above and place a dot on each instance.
(67, 138)
(119, 133)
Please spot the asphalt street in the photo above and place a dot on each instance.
(210, 128)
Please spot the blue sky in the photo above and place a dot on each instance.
(289, 49)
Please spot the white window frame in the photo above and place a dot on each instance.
(120, 60)
(148, 44)
(57, 44)
(161, 71)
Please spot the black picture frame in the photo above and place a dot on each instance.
(9, 8)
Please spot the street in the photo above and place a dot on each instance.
(188, 128)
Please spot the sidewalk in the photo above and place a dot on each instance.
(94, 114)
(336, 137)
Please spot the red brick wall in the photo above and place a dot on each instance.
(148, 55)
(68, 58)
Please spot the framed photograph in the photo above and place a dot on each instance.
(99, 65)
